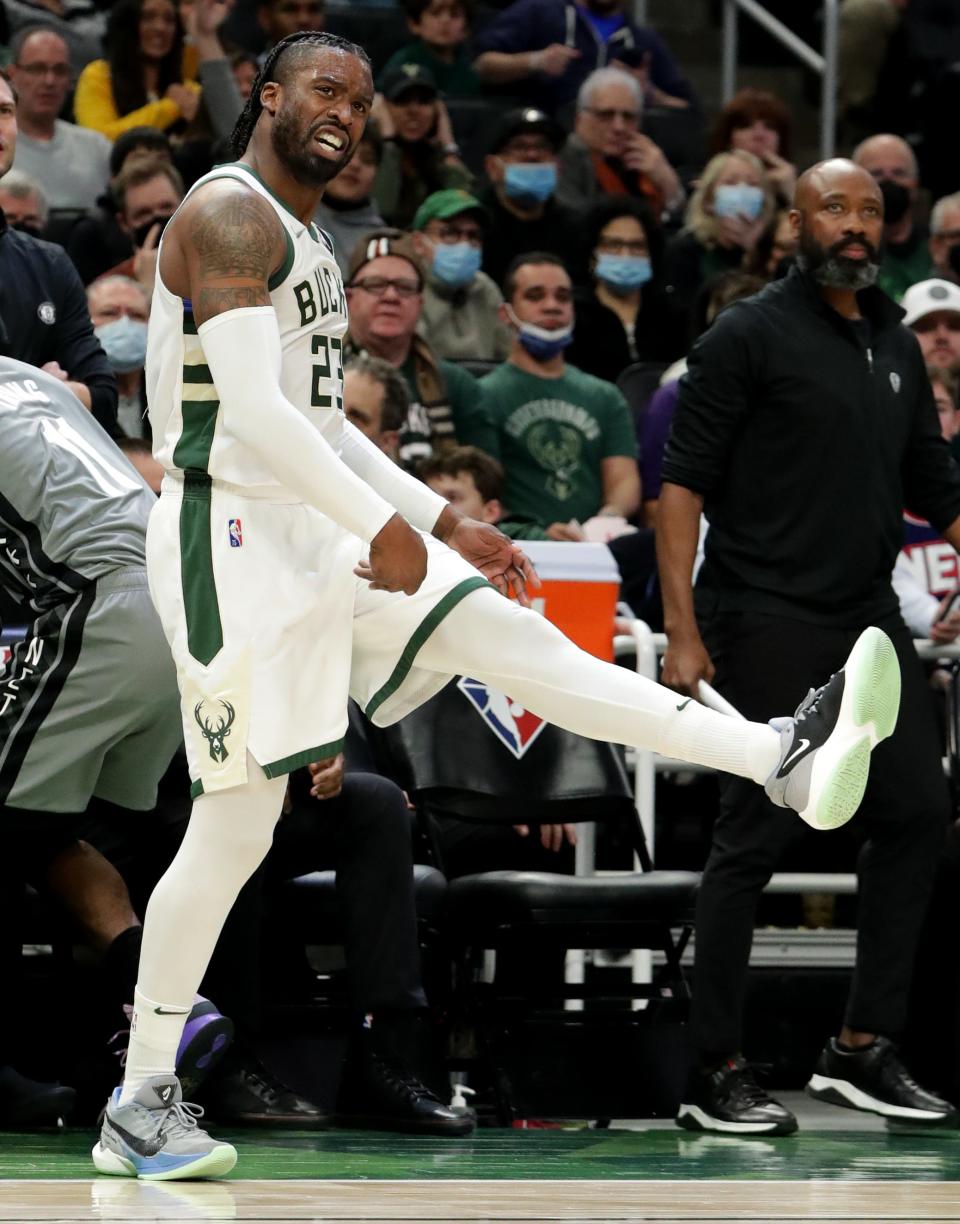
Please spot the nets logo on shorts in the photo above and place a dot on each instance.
(515, 727)
(235, 531)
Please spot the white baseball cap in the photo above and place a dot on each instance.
(928, 296)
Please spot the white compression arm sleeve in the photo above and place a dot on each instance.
(418, 504)
(242, 348)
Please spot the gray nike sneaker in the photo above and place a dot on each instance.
(825, 748)
(156, 1137)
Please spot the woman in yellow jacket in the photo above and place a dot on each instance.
(147, 77)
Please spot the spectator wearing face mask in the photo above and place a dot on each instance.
(119, 311)
(726, 218)
(564, 437)
(460, 303)
(23, 203)
(522, 170)
(623, 317)
(906, 256)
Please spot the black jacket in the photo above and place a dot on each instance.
(507, 235)
(44, 317)
(807, 436)
(600, 345)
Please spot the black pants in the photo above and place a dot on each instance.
(365, 835)
(765, 665)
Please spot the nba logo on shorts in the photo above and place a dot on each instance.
(236, 533)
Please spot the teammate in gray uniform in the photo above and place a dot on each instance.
(88, 702)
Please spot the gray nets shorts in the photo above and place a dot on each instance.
(89, 703)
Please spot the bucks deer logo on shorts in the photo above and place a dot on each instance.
(216, 733)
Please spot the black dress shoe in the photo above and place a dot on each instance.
(875, 1080)
(379, 1093)
(26, 1104)
(729, 1101)
(244, 1093)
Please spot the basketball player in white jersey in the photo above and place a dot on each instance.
(292, 563)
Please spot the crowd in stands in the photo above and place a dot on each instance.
(526, 267)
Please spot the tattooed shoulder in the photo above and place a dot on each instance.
(235, 238)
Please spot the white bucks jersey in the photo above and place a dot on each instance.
(191, 431)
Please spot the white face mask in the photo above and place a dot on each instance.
(738, 200)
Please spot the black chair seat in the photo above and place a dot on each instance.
(312, 901)
(479, 904)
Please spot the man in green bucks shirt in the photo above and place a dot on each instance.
(565, 438)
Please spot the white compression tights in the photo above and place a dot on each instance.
(227, 838)
(520, 652)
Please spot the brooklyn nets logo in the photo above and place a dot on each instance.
(216, 735)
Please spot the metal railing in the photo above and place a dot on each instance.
(824, 65)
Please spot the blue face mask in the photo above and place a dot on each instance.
(738, 200)
(540, 342)
(125, 343)
(623, 271)
(455, 263)
(530, 182)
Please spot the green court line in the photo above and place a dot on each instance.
(656, 1155)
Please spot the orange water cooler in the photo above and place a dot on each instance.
(581, 586)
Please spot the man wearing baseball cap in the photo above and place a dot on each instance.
(522, 168)
(932, 312)
(460, 303)
(385, 293)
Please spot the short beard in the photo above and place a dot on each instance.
(289, 141)
(832, 270)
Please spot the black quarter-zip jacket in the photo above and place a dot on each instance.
(807, 436)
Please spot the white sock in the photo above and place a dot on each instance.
(520, 652)
(157, 1028)
(227, 838)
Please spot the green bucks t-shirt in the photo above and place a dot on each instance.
(553, 435)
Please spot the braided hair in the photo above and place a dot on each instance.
(254, 107)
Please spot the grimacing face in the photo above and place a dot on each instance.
(320, 113)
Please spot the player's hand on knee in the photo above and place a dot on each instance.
(398, 558)
(686, 662)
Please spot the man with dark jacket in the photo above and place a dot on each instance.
(548, 48)
(523, 215)
(804, 426)
(43, 309)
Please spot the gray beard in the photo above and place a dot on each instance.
(836, 273)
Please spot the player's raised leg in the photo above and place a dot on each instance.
(815, 762)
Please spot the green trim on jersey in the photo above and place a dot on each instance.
(285, 765)
(420, 635)
(310, 227)
(200, 606)
(196, 789)
(283, 271)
